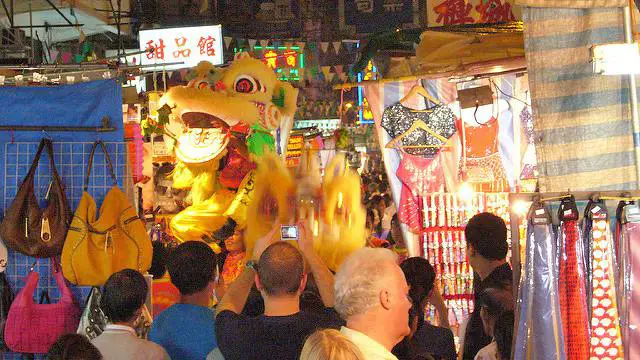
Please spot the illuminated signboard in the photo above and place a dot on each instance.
(286, 61)
(365, 116)
(188, 45)
(294, 150)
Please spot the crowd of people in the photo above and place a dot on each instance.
(287, 304)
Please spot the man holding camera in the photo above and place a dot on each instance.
(278, 270)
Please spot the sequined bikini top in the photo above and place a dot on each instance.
(398, 118)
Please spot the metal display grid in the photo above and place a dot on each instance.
(71, 160)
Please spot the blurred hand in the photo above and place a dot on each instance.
(305, 237)
(263, 243)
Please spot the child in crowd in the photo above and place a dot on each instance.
(329, 344)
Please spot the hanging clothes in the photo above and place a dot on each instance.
(420, 176)
(539, 329)
(481, 162)
(606, 340)
(398, 118)
(571, 284)
(630, 260)
(529, 161)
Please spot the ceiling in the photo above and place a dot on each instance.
(86, 12)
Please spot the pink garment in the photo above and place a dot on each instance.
(420, 176)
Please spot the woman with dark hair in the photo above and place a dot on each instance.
(493, 303)
(425, 340)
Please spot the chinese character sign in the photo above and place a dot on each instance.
(458, 12)
(188, 46)
(379, 15)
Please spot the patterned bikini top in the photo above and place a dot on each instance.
(398, 118)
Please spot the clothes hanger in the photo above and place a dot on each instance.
(419, 124)
(419, 90)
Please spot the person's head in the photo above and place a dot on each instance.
(503, 333)
(493, 302)
(370, 219)
(329, 344)
(73, 347)
(235, 242)
(370, 284)
(420, 276)
(123, 295)
(280, 271)
(168, 199)
(396, 230)
(486, 236)
(192, 267)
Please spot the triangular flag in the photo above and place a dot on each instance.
(53, 55)
(227, 41)
(348, 45)
(324, 46)
(329, 79)
(288, 45)
(326, 70)
(301, 46)
(339, 70)
(264, 43)
(252, 43)
(204, 6)
(337, 45)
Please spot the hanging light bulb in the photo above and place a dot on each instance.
(465, 192)
(521, 208)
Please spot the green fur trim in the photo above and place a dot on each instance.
(279, 100)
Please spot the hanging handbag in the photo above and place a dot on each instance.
(32, 328)
(29, 229)
(99, 245)
(6, 298)
(93, 321)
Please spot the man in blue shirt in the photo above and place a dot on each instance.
(187, 329)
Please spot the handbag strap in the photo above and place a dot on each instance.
(44, 296)
(48, 145)
(107, 160)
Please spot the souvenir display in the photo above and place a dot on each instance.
(444, 245)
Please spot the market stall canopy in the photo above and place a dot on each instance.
(90, 13)
(446, 52)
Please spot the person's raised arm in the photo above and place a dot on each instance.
(320, 271)
(236, 295)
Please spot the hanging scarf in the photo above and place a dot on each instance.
(539, 334)
(573, 300)
(606, 340)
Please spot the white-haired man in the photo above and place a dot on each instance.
(372, 296)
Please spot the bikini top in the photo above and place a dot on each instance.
(398, 118)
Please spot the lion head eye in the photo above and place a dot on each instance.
(246, 84)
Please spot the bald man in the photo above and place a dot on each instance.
(280, 276)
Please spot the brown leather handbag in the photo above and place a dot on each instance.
(29, 229)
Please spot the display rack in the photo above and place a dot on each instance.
(71, 161)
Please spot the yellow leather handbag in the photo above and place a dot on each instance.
(98, 245)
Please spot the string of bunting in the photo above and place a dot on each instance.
(314, 52)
